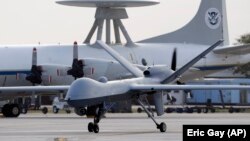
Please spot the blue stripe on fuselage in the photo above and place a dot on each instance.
(14, 72)
(213, 68)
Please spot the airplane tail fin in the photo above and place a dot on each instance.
(208, 25)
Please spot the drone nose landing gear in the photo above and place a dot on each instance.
(100, 111)
(162, 126)
(93, 126)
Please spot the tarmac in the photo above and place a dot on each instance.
(117, 127)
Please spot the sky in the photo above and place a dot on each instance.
(45, 22)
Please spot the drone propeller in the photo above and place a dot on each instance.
(144, 62)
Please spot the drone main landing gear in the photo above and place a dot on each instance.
(162, 126)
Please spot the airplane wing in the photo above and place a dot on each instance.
(188, 87)
(234, 50)
(34, 89)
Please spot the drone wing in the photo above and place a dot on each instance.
(183, 69)
(126, 64)
(187, 87)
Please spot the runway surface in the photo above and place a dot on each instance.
(117, 127)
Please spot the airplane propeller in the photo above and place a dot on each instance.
(77, 66)
(184, 68)
(174, 64)
(174, 60)
(144, 62)
(35, 77)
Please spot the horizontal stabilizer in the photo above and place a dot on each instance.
(234, 50)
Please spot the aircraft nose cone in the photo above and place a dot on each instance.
(82, 91)
(76, 89)
(83, 88)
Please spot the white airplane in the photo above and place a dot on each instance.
(54, 61)
(85, 92)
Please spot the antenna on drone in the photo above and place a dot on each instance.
(107, 11)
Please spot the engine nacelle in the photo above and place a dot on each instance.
(92, 68)
(157, 71)
(51, 72)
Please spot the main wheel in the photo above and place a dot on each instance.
(96, 128)
(6, 110)
(14, 110)
(213, 110)
(45, 110)
(162, 127)
(199, 110)
(139, 110)
(55, 110)
(179, 110)
(169, 110)
(91, 127)
(24, 110)
(231, 110)
(205, 110)
(11, 110)
(68, 111)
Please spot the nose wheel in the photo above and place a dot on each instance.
(92, 127)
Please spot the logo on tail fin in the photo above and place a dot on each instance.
(213, 18)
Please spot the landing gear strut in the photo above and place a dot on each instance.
(162, 126)
(93, 126)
